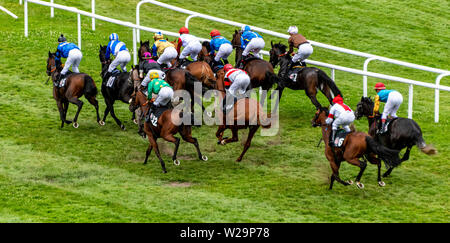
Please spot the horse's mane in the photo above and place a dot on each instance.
(207, 45)
(280, 46)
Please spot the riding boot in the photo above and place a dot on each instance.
(164, 66)
(332, 137)
(240, 63)
(107, 75)
(383, 127)
(181, 62)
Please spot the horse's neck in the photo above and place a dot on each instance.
(238, 54)
(326, 134)
(284, 63)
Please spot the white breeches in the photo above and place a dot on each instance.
(239, 85)
(122, 59)
(73, 59)
(167, 56)
(192, 49)
(255, 46)
(146, 80)
(224, 51)
(164, 96)
(304, 51)
(393, 102)
(344, 120)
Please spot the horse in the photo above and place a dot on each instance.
(76, 85)
(355, 146)
(120, 90)
(165, 129)
(143, 48)
(205, 56)
(401, 132)
(260, 71)
(310, 79)
(245, 110)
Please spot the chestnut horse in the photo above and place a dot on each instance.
(246, 113)
(165, 129)
(310, 79)
(260, 71)
(76, 85)
(356, 145)
(402, 132)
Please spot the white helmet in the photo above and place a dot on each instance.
(292, 30)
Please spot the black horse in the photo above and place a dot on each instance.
(120, 90)
(401, 132)
(309, 79)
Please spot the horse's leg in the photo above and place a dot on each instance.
(362, 165)
(277, 102)
(176, 141)
(234, 138)
(113, 114)
(65, 108)
(149, 150)
(251, 133)
(312, 96)
(187, 136)
(262, 98)
(388, 172)
(219, 133)
(335, 174)
(155, 146)
(406, 155)
(61, 112)
(79, 103)
(326, 91)
(94, 102)
(374, 160)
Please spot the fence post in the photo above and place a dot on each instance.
(186, 23)
(79, 30)
(410, 101)
(366, 64)
(20, 2)
(134, 47)
(25, 16)
(436, 96)
(93, 12)
(52, 10)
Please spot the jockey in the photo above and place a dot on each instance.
(251, 42)
(393, 100)
(190, 43)
(164, 49)
(298, 41)
(239, 82)
(342, 115)
(119, 50)
(71, 52)
(221, 45)
(149, 67)
(161, 88)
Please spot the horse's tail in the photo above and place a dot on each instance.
(389, 156)
(426, 148)
(272, 78)
(328, 81)
(90, 89)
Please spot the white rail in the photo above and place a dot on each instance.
(8, 12)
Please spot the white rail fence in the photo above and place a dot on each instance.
(136, 37)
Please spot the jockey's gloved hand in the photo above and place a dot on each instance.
(328, 121)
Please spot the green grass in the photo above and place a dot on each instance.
(95, 174)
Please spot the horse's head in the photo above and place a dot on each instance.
(278, 50)
(204, 53)
(145, 47)
(134, 102)
(51, 63)
(320, 117)
(236, 41)
(364, 107)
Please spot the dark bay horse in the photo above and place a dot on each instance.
(165, 129)
(120, 90)
(401, 132)
(310, 79)
(76, 85)
(260, 71)
(356, 145)
(246, 111)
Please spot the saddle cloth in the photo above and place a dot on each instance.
(62, 83)
(113, 77)
(186, 63)
(341, 134)
(155, 114)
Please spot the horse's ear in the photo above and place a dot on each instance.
(49, 54)
(271, 43)
(140, 42)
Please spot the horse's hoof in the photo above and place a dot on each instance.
(223, 142)
(359, 185)
(164, 171)
(135, 121)
(102, 123)
(122, 127)
(350, 182)
(204, 158)
(68, 121)
(75, 125)
(381, 183)
(176, 162)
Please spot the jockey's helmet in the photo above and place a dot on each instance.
(154, 75)
(227, 67)
(379, 86)
(158, 36)
(62, 38)
(183, 30)
(214, 33)
(113, 36)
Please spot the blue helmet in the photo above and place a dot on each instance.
(113, 36)
(245, 28)
(62, 38)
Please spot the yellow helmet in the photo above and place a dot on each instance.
(154, 75)
(158, 36)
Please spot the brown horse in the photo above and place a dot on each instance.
(165, 129)
(76, 85)
(356, 145)
(246, 113)
(310, 79)
(260, 71)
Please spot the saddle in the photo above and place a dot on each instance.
(62, 82)
(112, 78)
(153, 116)
(186, 62)
(341, 134)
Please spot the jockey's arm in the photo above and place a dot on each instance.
(330, 115)
(211, 45)
(150, 89)
(154, 50)
(243, 44)
(108, 51)
(376, 106)
(291, 48)
(180, 43)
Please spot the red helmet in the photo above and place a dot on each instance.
(227, 67)
(379, 86)
(214, 33)
(338, 99)
(183, 30)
